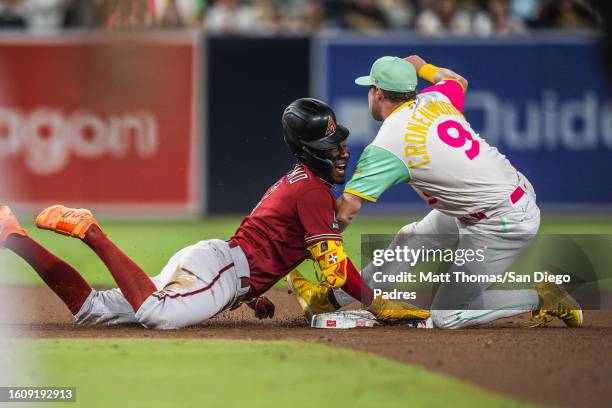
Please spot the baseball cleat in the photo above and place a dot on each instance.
(8, 225)
(67, 221)
(390, 311)
(557, 303)
(312, 298)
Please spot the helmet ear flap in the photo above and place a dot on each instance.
(315, 161)
(293, 142)
(304, 154)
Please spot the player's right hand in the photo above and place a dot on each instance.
(416, 61)
(262, 306)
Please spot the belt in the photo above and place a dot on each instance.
(516, 195)
(236, 302)
(245, 282)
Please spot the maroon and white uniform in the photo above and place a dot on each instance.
(206, 278)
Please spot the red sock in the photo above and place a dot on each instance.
(62, 278)
(355, 286)
(134, 283)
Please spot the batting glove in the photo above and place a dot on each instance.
(262, 306)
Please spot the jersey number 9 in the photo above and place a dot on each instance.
(453, 134)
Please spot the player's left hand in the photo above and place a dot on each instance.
(262, 306)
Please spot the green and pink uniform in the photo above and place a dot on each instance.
(478, 199)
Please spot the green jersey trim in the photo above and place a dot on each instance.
(377, 170)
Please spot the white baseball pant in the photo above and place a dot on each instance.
(198, 282)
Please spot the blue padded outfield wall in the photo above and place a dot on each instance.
(545, 102)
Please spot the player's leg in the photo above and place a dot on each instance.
(461, 305)
(205, 279)
(105, 308)
(134, 283)
(110, 307)
(198, 283)
(63, 279)
(503, 239)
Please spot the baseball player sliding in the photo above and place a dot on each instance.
(479, 199)
(293, 221)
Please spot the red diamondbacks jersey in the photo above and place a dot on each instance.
(297, 211)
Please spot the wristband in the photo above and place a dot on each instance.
(428, 71)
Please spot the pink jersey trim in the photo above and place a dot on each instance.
(450, 88)
(517, 194)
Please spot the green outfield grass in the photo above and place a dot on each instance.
(217, 373)
(152, 243)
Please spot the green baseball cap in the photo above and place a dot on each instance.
(390, 74)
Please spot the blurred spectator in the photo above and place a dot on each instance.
(442, 17)
(399, 13)
(524, 10)
(44, 15)
(270, 17)
(81, 14)
(128, 14)
(314, 16)
(230, 17)
(179, 13)
(363, 15)
(575, 14)
(429, 17)
(170, 16)
(497, 20)
(299, 16)
(333, 10)
(9, 18)
(565, 15)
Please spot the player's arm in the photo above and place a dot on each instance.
(347, 207)
(377, 170)
(316, 212)
(332, 260)
(435, 74)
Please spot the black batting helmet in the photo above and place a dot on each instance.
(309, 126)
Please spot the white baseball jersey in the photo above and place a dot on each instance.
(428, 144)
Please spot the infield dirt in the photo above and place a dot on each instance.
(553, 365)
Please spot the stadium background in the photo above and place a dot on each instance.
(164, 118)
